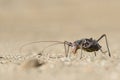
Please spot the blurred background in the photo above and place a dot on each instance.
(23, 21)
(32, 20)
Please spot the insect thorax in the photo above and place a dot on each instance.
(88, 45)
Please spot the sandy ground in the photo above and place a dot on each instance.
(23, 21)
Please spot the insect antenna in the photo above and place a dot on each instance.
(56, 42)
(51, 46)
(104, 35)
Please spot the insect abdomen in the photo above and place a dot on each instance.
(93, 48)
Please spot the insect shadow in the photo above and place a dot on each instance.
(86, 44)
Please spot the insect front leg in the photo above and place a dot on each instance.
(104, 35)
(66, 47)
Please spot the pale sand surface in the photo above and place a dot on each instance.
(23, 21)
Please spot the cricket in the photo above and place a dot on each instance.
(86, 44)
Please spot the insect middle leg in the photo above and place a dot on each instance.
(81, 52)
(95, 53)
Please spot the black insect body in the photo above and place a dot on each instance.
(88, 45)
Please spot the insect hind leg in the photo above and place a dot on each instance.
(103, 51)
(104, 35)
